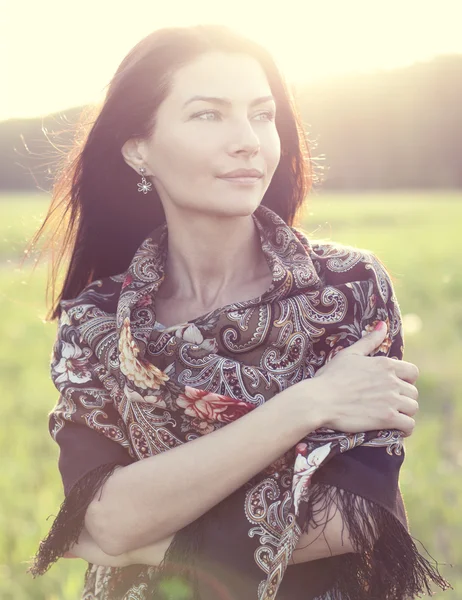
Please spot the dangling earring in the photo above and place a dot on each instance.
(144, 186)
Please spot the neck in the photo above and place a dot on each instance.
(209, 255)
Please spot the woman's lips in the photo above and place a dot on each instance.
(241, 180)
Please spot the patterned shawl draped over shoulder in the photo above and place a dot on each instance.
(130, 389)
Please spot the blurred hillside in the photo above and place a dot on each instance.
(397, 129)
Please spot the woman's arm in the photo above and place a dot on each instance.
(331, 541)
(134, 510)
(307, 550)
(87, 549)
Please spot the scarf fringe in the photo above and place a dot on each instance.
(386, 563)
(175, 575)
(69, 523)
(179, 563)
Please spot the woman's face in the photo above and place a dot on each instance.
(196, 142)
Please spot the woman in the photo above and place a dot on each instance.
(196, 318)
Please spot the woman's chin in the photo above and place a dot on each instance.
(227, 206)
(239, 207)
(242, 211)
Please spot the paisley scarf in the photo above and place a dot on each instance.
(130, 389)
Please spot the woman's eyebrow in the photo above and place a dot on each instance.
(227, 101)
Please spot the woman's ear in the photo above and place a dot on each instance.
(131, 151)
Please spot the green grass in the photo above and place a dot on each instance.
(416, 235)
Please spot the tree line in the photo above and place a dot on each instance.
(394, 129)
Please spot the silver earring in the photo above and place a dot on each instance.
(144, 186)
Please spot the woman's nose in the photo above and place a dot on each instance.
(245, 140)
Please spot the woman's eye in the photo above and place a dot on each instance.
(209, 112)
(269, 115)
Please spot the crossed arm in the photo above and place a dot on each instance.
(89, 550)
(333, 540)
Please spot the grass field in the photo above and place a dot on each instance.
(417, 235)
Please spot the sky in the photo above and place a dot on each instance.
(58, 54)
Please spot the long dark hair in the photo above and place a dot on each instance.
(96, 218)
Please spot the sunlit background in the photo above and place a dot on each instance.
(61, 53)
(379, 88)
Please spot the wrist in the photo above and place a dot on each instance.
(306, 405)
(316, 402)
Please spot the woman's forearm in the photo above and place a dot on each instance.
(87, 549)
(327, 540)
(330, 538)
(150, 499)
(333, 540)
(152, 554)
(311, 546)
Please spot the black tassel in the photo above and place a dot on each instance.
(386, 564)
(174, 577)
(68, 524)
(178, 567)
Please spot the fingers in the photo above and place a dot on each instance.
(404, 423)
(404, 370)
(370, 342)
(407, 389)
(408, 406)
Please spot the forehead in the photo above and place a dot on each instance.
(237, 76)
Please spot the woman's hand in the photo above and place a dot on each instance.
(358, 392)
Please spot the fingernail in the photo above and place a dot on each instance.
(379, 325)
